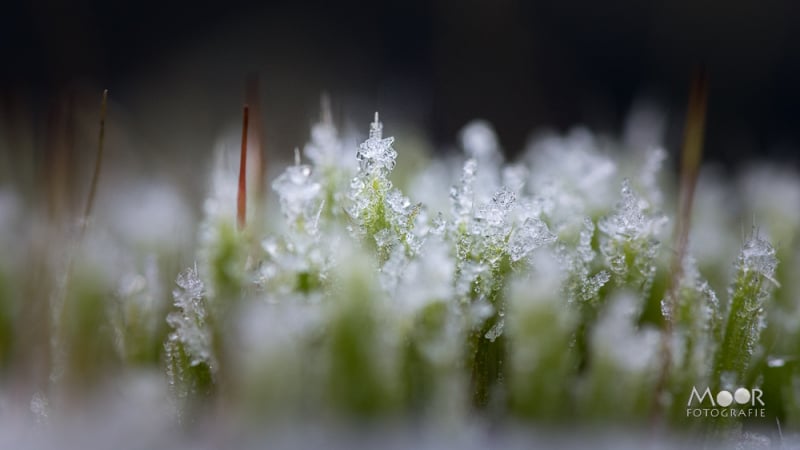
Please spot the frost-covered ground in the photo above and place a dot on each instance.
(475, 302)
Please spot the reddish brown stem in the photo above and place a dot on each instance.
(241, 198)
(253, 96)
(87, 212)
(691, 156)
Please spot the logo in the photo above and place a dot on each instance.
(742, 402)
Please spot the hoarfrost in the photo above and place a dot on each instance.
(189, 322)
(496, 331)
(490, 218)
(593, 284)
(531, 235)
(628, 219)
(376, 154)
(462, 196)
(298, 192)
(758, 255)
(585, 250)
(398, 203)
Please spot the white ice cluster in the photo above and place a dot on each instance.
(190, 322)
(298, 193)
(376, 155)
(531, 235)
(758, 255)
(629, 239)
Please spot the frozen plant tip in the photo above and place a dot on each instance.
(755, 269)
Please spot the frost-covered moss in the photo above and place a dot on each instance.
(519, 291)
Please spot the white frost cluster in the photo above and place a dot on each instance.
(298, 193)
(758, 255)
(189, 322)
(376, 155)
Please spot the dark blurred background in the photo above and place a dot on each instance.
(176, 70)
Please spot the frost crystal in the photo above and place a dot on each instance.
(593, 285)
(189, 322)
(629, 243)
(298, 192)
(491, 218)
(759, 256)
(397, 202)
(462, 196)
(496, 331)
(531, 235)
(585, 250)
(628, 219)
(376, 155)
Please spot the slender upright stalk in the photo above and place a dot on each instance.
(253, 95)
(691, 156)
(241, 198)
(87, 212)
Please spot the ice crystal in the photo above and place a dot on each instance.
(189, 322)
(462, 196)
(376, 155)
(629, 219)
(496, 330)
(585, 251)
(758, 255)
(746, 314)
(298, 192)
(593, 284)
(629, 241)
(531, 235)
(490, 218)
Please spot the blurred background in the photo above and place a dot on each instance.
(177, 72)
